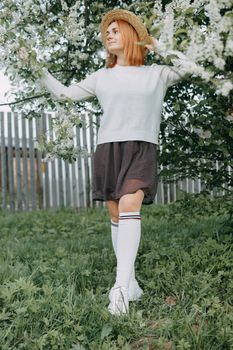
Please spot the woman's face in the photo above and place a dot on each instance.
(114, 42)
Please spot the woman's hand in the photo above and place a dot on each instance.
(161, 49)
(153, 45)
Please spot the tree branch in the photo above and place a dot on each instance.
(86, 13)
(25, 99)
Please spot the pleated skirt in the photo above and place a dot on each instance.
(123, 168)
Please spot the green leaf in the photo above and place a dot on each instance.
(181, 31)
(189, 11)
(176, 107)
(11, 35)
(78, 346)
(106, 330)
(231, 132)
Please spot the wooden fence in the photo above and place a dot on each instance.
(28, 182)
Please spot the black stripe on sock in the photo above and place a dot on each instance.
(115, 224)
(127, 217)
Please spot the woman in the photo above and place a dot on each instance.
(131, 96)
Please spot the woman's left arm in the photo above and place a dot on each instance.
(182, 66)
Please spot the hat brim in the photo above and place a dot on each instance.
(129, 17)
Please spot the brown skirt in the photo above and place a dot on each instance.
(124, 167)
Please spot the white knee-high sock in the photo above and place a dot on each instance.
(129, 235)
(114, 234)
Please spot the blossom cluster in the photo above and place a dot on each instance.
(206, 46)
(37, 34)
(32, 35)
(59, 140)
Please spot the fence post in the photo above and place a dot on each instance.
(19, 198)
(67, 183)
(32, 165)
(25, 164)
(10, 161)
(80, 169)
(53, 169)
(3, 163)
(86, 166)
(39, 164)
(45, 167)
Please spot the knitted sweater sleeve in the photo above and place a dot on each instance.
(181, 68)
(76, 92)
(172, 75)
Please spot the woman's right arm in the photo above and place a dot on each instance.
(79, 91)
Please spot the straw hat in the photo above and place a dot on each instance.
(129, 17)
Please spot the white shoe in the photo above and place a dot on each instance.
(135, 292)
(119, 302)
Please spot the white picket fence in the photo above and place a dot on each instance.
(28, 182)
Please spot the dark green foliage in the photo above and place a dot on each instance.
(191, 108)
(56, 269)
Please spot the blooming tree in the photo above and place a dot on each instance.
(198, 130)
(63, 36)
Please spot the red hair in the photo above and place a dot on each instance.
(134, 53)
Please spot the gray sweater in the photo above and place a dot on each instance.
(131, 98)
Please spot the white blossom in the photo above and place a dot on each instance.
(83, 56)
(206, 134)
(64, 5)
(219, 62)
(224, 88)
(213, 11)
(229, 46)
(23, 54)
(166, 37)
(229, 118)
(203, 134)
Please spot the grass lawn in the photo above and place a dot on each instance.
(56, 269)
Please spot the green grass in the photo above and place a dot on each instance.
(56, 269)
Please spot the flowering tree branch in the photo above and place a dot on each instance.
(23, 100)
